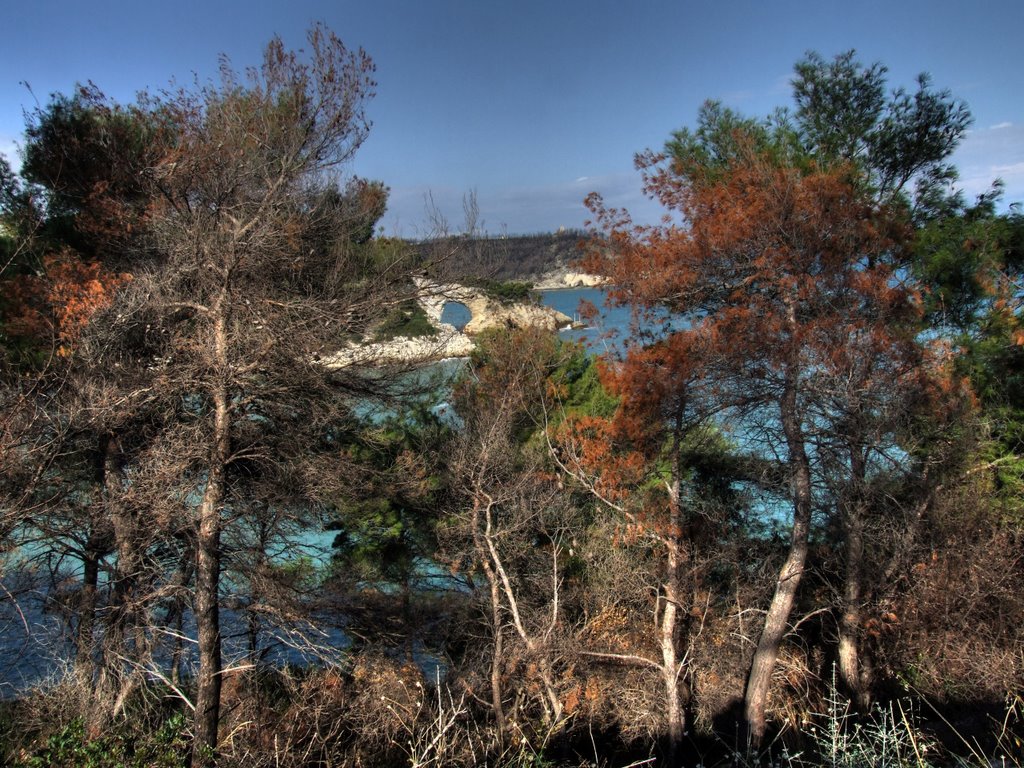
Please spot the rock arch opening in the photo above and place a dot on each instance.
(456, 313)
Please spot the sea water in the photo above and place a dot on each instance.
(35, 641)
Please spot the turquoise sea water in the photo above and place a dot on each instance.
(34, 641)
(567, 301)
(610, 329)
(604, 333)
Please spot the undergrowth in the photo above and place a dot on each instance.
(168, 747)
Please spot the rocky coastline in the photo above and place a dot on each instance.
(563, 278)
(448, 341)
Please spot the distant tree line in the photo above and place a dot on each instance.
(507, 257)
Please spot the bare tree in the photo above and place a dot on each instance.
(254, 272)
(655, 440)
(512, 527)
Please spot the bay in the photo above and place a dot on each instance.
(35, 643)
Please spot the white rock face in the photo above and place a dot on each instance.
(583, 280)
(492, 314)
(486, 312)
(449, 341)
(557, 279)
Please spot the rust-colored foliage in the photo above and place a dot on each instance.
(77, 290)
(59, 302)
(92, 159)
(593, 444)
(779, 271)
(776, 265)
(792, 320)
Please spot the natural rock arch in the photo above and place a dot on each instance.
(486, 312)
(457, 314)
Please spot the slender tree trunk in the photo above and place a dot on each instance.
(407, 618)
(176, 610)
(208, 558)
(85, 663)
(674, 712)
(97, 545)
(258, 564)
(850, 672)
(178, 648)
(207, 610)
(119, 675)
(498, 578)
(483, 557)
(777, 619)
(252, 633)
(669, 628)
(496, 688)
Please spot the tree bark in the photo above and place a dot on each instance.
(97, 545)
(175, 616)
(85, 664)
(496, 624)
(483, 557)
(850, 672)
(777, 619)
(119, 676)
(669, 628)
(674, 713)
(208, 558)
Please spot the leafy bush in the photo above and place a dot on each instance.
(168, 747)
(407, 320)
(506, 291)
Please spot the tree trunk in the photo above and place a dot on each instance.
(777, 619)
(850, 673)
(208, 555)
(120, 673)
(97, 545)
(669, 629)
(496, 690)
(178, 646)
(483, 557)
(85, 663)
(175, 616)
(207, 610)
(674, 713)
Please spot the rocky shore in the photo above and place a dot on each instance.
(448, 341)
(563, 278)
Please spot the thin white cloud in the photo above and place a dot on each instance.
(990, 154)
(976, 182)
(1014, 171)
(780, 85)
(9, 149)
(984, 156)
(521, 209)
(736, 97)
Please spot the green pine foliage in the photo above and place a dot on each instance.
(407, 320)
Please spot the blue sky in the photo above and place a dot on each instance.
(534, 104)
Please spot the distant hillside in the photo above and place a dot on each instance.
(515, 257)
